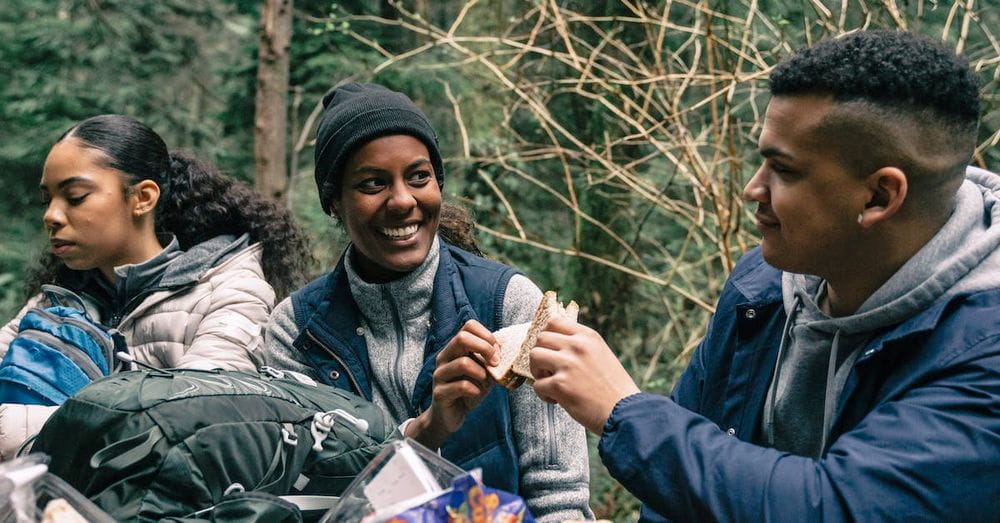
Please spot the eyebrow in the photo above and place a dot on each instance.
(70, 181)
(770, 152)
(417, 163)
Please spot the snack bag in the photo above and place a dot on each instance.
(408, 483)
(468, 501)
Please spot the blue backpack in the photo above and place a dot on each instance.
(58, 350)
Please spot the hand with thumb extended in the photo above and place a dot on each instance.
(574, 367)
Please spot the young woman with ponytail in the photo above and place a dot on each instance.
(399, 318)
(186, 262)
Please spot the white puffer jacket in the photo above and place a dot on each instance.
(215, 322)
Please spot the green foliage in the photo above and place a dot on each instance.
(151, 59)
(20, 239)
(162, 61)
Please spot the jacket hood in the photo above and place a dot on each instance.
(199, 259)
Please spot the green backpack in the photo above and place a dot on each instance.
(150, 445)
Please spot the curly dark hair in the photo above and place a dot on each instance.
(891, 68)
(196, 202)
(458, 227)
(202, 203)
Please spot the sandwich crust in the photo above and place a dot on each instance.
(517, 341)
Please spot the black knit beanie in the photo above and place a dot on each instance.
(355, 114)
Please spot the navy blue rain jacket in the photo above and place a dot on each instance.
(916, 435)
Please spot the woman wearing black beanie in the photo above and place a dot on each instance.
(398, 318)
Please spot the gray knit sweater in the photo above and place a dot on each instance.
(552, 448)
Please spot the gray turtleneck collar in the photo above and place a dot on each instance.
(133, 278)
(416, 287)
(396, 317)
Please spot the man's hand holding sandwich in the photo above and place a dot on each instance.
(574, 367)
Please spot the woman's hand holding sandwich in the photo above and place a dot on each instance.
(574, 367)
(460, 384)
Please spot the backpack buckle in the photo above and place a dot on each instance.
(357, 423)
(288, 434)
(323, 422)
(271, 371)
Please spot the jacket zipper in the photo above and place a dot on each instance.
(550, 415)
(397, 375)
(347, 370)
(119, 315)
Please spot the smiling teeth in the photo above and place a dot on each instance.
(400, 232)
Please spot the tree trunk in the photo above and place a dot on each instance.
(271, 115)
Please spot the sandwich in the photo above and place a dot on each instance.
(516, 342)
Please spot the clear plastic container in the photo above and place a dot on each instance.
(354, 504)
(26, 488)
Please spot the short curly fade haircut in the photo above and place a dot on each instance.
(888, 68)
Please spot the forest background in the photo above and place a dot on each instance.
(601, 145)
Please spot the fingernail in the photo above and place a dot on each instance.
(495, 358)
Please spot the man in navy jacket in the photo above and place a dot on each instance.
(852, 368)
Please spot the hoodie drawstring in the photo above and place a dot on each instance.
(773, 389)
(829, 399)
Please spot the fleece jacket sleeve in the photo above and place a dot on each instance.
(551, 447)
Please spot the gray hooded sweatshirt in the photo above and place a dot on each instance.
(817, 351)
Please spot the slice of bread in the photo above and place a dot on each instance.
(516, 341)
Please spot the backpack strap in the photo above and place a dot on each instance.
(121, 456)
(238, 505)
(310, 503)
(63, 297)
